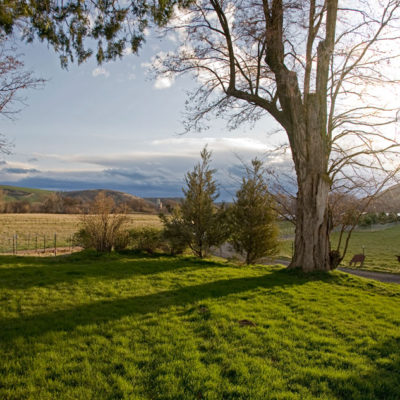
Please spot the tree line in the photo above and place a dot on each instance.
(61, 203)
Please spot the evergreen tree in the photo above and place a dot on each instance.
(254, 230)
(199, 223)
(199, 213)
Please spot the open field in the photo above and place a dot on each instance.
(29, 226)
(381, 247)
(131, 327)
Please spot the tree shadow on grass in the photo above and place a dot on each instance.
(104, 311)
(383, 379)
(44, 273)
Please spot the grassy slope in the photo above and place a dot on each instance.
(125, 327)
(14, 193)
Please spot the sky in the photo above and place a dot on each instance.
(115, 127)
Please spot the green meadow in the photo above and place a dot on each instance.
(381, 246)
(126, 326)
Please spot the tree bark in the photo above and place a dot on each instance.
(310, 156)
(312, 246)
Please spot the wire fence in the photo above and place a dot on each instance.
(37, 244)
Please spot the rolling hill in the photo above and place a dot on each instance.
(12, 194)
(388, 200)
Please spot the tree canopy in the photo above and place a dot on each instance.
(73, 27)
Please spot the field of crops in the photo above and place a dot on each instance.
(39, 231)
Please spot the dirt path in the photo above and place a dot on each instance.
(378, 276)
(49, 252)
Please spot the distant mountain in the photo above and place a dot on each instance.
(17, 196)
(89, 195)
(14, 193)
(134, 202)
(387, 201)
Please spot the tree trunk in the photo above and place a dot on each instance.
(312, 246)
(310, 156)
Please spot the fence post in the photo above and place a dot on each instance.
(36, 248)
(55, 244)
(44, 244)
(13, 249)
(16, 244)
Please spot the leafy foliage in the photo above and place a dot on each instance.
(175, 232)
(147, 239)
(72, 26)
(254, 229)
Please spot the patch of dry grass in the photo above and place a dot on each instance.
(38, 230)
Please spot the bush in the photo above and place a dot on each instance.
(82, 239)
(146, 239)
(176, 235)
(121, 240)
(102, 229)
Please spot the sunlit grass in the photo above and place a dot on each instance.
(131, 327)
(380, 247)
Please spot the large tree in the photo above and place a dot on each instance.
(316, 66)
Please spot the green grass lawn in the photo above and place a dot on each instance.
(380, 247)
(131, 327)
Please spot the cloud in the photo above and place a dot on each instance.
(222, 144)
(157, 172)
(20, 170)
(163, 82)
(31, 160)
(100, 71)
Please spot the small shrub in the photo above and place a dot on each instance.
(102, 229)
(176, 235)
(146, 239)
(82, 239)
(121, 240)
